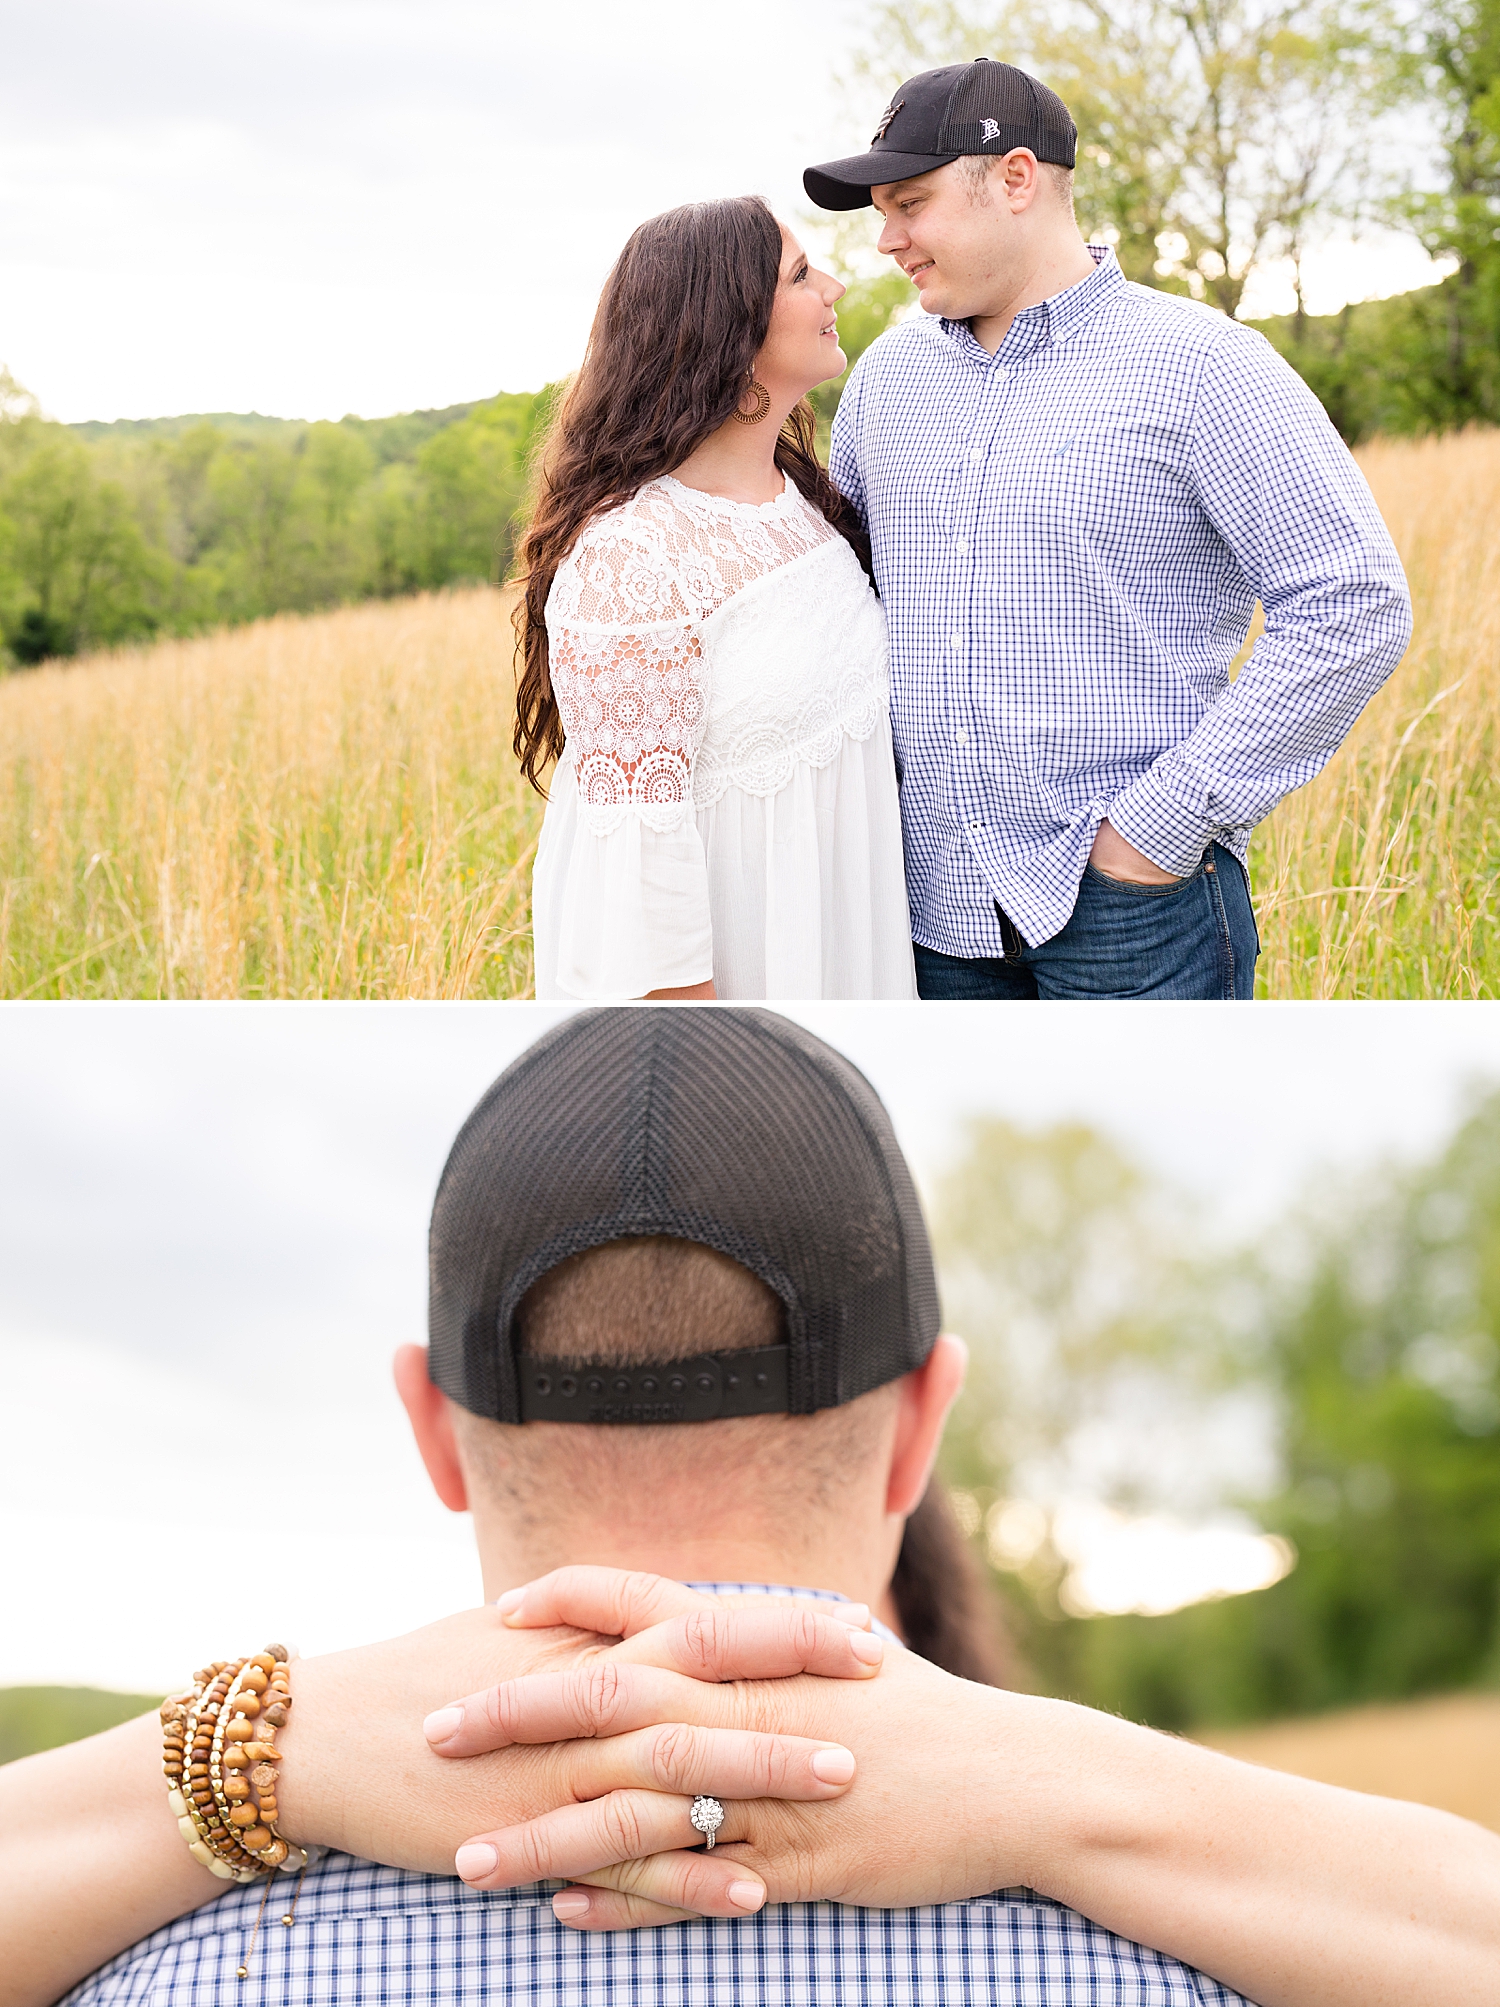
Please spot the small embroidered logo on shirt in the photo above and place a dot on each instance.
(991, 131)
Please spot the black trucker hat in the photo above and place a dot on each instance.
(978, 107)
(733, 1128)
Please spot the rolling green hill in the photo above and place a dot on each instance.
(41, 1717)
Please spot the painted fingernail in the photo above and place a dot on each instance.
(833, 1766)
(747, 1895)
(474, 1860)
(509, 1604)
(570, 1903)
(866, 1647)
(445, 1722)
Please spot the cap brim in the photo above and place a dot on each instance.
(846, 184)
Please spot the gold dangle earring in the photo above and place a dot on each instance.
(762, 405)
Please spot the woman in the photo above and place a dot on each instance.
(705, 658)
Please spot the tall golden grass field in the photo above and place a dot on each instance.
(328, 806)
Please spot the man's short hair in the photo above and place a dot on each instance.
(974, 170)
(632, 1301)
(627, 1303)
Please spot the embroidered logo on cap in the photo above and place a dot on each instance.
(991, 131)
(886, 117)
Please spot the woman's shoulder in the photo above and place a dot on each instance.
(619, 572)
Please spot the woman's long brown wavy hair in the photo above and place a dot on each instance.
(947, 1611)
(681, 319)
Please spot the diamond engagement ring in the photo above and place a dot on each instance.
(707, 1815)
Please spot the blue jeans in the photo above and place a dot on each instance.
(1196, 938)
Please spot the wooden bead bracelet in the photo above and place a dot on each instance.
(218, 1753)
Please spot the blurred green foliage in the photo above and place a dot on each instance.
(1368, 1328)
(117, 533)
(867, 309)
(43, 1717)
(1428, 360)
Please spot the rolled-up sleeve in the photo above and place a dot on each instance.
(1295, 512)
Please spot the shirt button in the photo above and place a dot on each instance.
(961, 546)
(976, 452)
(955, 640)
(976, 827)
(961, 737)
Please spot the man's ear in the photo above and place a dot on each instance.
(1020, 179)
(427, 1410)
(925, 1398)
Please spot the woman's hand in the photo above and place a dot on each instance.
(908, 1724)
(1295, 1894)
(410, 1809)
(88, 1870)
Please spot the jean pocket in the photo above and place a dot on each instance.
(1132, 889)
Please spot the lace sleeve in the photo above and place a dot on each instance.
(628, 674)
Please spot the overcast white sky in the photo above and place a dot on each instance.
(309, 207)
(212, 1227)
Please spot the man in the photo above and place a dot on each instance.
(638, 1188)
(683, 1320)
(1076, 490)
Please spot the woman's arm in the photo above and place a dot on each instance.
(621, 900)
(91, 1860)
(1294, 1893)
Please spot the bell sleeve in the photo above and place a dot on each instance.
(625, 890)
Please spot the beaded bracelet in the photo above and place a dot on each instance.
(210, 1740)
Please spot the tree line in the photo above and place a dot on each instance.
(1117, 1351)
(1217, 137)
(117, 533)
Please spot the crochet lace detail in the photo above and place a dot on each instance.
(627, 660)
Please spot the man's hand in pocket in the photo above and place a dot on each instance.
(1116, 858)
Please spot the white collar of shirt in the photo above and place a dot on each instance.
(1050, 320)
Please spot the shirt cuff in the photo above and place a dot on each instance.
(1165, 814)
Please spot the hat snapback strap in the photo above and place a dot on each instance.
(703, 1389)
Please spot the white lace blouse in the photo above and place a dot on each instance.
(726, 806)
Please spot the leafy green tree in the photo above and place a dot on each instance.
(1459, 55)
(1387, 1351)
(85, 571)
(472, 481)
(1062, 1266)
(1371, 1321)
(1215, 135)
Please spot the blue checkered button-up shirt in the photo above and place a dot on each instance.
(367, 1936)
(1070, 537)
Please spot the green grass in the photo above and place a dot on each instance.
(43, 1717)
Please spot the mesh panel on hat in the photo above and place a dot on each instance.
(1025, 112)
(734, 1128)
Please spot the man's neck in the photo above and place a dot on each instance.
(841, 1569)
(1061, 262)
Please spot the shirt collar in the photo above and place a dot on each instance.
(1051, 320)
(785, 1589)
